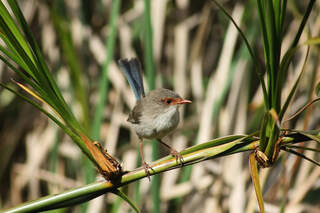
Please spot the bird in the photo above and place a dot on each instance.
(155, 114)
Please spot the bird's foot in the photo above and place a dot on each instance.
(178, 156)
(173, 152)
(146, 169)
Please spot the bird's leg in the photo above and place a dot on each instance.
(173, 152)
(144, 164)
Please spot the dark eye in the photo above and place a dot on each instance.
(168, 101)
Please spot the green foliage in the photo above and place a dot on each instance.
(23, 56)
(22, 49)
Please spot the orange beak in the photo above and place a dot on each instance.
(182, 101)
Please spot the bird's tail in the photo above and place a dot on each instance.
(132, 70)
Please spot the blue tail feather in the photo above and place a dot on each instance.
(132, 70)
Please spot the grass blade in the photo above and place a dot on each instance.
(313, 135)
(256, 182)
(125, 198)
(103, 84)
(258, 66)
(300, 155)
(150, 74)
(293, 90)
(303, 148)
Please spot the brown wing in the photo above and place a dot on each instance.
(135, 114)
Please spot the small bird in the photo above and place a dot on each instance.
(156, 114)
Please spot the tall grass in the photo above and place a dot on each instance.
(246, 66)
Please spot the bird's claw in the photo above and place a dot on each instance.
(178, 156)
(146, 169)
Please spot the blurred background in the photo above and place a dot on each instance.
(198, 53)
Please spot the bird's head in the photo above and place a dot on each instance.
(166, 99)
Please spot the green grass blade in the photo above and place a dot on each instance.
(23, 55)
(282, 15)
(263, 27)
(303, 23)
(103, 84)
(13, 43)
(258, 66)
(125, 198)
(312, 135)
(150, 74)
(263, 131)
(277, 14)
(293, 90)
(15, 58)
(6, 17)
(52, 117)
(274, 56)
(11, 66)
(303, 148)
(148, 56)
(23, 76)
(300, 155)
(303, 108)
(71, 58)
(44, 85)
(37, 64)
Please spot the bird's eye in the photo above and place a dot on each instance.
(166, 100)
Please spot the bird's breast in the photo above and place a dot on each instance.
(159, 125)
(166, 122)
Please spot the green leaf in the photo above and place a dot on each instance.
(12, 27)
(15, 58)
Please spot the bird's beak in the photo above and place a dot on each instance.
(182, 101)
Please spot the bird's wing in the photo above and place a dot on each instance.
(135, 114)
(132, 70)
